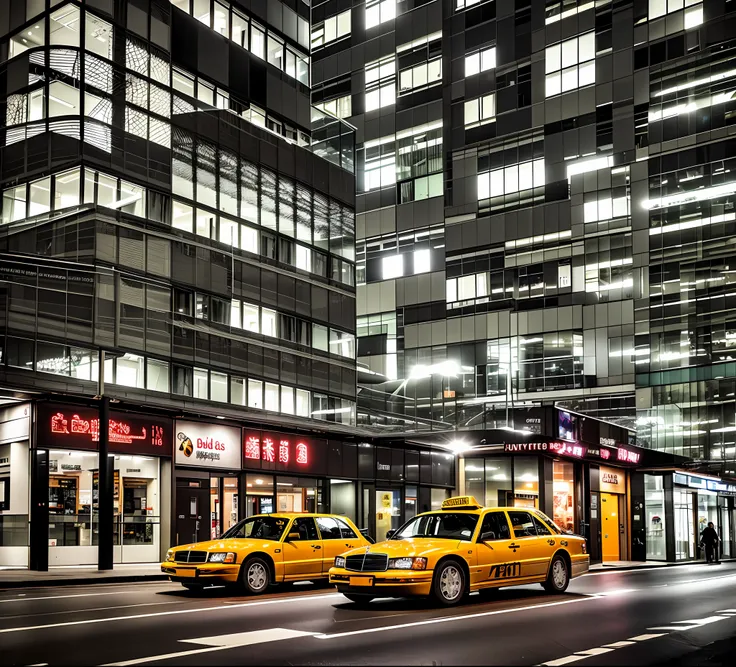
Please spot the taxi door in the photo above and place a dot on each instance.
(337, 538)
(530, 550)
(495, 559)
(302, 549)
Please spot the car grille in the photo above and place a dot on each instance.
(190, 557)
(367, 563)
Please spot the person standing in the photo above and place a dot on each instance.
(709, 539)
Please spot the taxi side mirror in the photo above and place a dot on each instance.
(390, 533)
(293, 537)
(488, 536)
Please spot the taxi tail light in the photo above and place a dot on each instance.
(585, 547)
(419, 564)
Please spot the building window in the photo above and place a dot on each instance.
(333, 28)
(420, 76)
(480, 61)
(392, 267)
(380, 83)
(380, 164)
(341, 107)
(480, 111)
(379, 11)
(570, 64)
(508, 180)
(556, 11)
(693, 10)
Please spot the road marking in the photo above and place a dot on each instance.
(449, 619)
(620, 644)
(643, 638)
(63, 597)
(594, 651)
(618, 591)
(171, 613)
(79, 611)
(248, 638)
(682, 626)
(564, 661)
(219, 643)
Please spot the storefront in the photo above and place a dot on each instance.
(225, 473)
(14, 443)
(67, 459)
(573, 468)
(675, 508)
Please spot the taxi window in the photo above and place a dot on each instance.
(445, 525)
(522, 524)
(554, 528)
(304, 525)
(495, 527)
(328, 528)
(260, 527)
(541, 528)
(347, 532)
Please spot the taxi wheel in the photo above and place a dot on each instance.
(558, 578)
(360, 600)
(255, 575)
(448, 586)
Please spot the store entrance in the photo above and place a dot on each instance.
(610, 527)
(388, 511)
(192, 512)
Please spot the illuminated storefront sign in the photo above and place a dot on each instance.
(79, 428)
(573, 450)
(274, 447)
(627, 456)
(695, 482)
(207, 445)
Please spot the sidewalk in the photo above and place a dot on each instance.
(622, 565)
(79, 575)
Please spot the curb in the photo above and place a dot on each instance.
(659, 566)
(78, 581)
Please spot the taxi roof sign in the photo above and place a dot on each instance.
(461, 502)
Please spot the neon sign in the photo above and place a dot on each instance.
(79, 427)
(283, 451)
(568, 449)
(627, 456)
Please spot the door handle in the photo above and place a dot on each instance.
(514, 546)
(316, 546)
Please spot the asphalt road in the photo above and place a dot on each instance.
(640, 617)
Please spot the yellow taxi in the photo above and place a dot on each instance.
(265, 549)
(463, 547)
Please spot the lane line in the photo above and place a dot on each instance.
(594, 651)
(64, 597)
(220, 643)
(564, 661)
(248, 638)
(644, 638)
(195, 610)
(674, 628)
(450, 619)
(79, 611)
(620, 644)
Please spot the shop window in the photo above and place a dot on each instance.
(563, 495)
(655, 517)
(474, 480)
(342, 500)
(437, 497)
(684, 527)
(498, 485)
(526, 482)
(297, 494)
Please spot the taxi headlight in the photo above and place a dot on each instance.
(170, 555)
(407, 564)
(222, 558)
(340, 561)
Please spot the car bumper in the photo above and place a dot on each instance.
(206, 573)
(580, 565)
(391, 583)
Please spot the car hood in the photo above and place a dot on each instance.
(413, 546)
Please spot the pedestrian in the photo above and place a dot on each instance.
(709, 540)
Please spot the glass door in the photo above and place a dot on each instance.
(215, 496)
(259, 494)
(388, 512)
(684, 525)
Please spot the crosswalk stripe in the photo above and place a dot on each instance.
(563, 661)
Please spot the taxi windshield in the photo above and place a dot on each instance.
(259, 527)
(444, 525)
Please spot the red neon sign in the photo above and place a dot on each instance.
(627, 456)
(118, 431)
(283, 451)
(605, 454)
(568, 449)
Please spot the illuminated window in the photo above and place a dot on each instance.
(557, 11)
(606, 208)
(570, 64)
(693, 10)
(480, 111)
(64, 26)
(392, 267)
(378, 11)
(341, 107)
(380, 163)
(269, 320)
(480, 61)
(464, 4)
(422, 261)
(380, 83)
(516, 178)
(420, 76)
(255, 394)
(333, 28)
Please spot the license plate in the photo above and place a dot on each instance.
(188, 572)
(361, 581)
